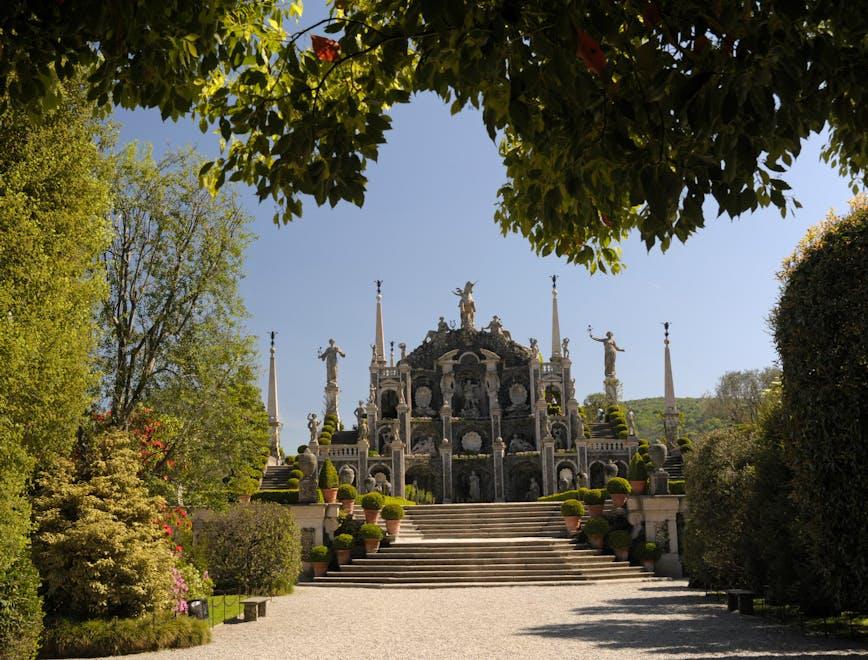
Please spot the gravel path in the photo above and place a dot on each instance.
(623, 620)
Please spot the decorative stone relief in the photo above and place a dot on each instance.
(517, 396)
(471, 441)
(517, 444)
(423, 398)
(424, 445)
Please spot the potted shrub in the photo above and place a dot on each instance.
(292, 484)
(371, 534)
(594, 500)
(328, 481)
(319, 558)
(648, 553)
(392, 514)
(372, 503)
(344, 547)
(619, 541)
(618, 488)
(637, 474)
(596, 530)
(244, 487)
(347, 495)
(572, 511)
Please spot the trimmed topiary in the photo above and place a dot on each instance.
(373, 501)
(619, 539)
(347, 492)
(371, 531)
(676, 487)
(319, 553)
(344, 542)
(296, 474)
(637, 470)
(594, 496)
(302, 449)
(618, 485)
(325, 439)
(577, 494)
(292, 484)
(572, 508)
(328, 475)
(649, 551)
(392, 512)
(597, 527)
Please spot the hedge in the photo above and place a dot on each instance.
(676, 487)
(578, 494)
(102, 637)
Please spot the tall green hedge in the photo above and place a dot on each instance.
(820, 331)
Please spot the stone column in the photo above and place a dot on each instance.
(362, 446)
(547, 460)
(497, 452)
(446, 417)
(446, 456)
(404, 422)
(332, 392)
(539, 429)
(397, 468)
(582, 458)
(372, 414)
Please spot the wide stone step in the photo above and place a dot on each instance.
(505, 544)
(493, 508)
(447, 572)
(480, 579)
(473, 520)
(474, 562)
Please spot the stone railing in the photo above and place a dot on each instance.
(389, 372)
(607, 445)
(551, 368)
(340, 452)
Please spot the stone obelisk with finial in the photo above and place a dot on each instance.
(556, 324)
(273, 411)
(670, 412)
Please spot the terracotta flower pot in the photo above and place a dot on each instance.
(618, 500)
(320, 568)
(330, 495)
(244, 499)
(595, 510)
(371, 546)
(638, 487)
(392, 527)
(622, 554)
(572, 524)
(343, 556)
(596, 541)
(371, 515)
(348, 506)
(648, 565)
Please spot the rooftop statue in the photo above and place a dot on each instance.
(610, 347)
(313, 426)
(330, 357)
(495, 327)
(466, 306)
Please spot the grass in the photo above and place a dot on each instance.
(224, 608)
(389, 500)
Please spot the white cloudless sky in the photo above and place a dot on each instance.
(427, 227)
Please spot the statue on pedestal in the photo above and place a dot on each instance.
(330, 357)
(473, 491)
(631, 423)
(466, 306)
(533, 491)
(307, 486)
(313, 426)
(610, 347)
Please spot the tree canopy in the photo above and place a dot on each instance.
(610, 117)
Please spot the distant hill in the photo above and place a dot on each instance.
(694, 419)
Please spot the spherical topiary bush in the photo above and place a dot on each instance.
(296, 474)
(592, 497)
(820, 331)
(392, 512)
(347, 492)
(344, 542)
(325, 439)
(637, 470)
(649, 551)
(292, 484)
(618, 485)
(371, 531)
(572, 508)
(319, 553)
(619, 539)
(373, 501)
(597, 527)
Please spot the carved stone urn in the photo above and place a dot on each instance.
(658, 453)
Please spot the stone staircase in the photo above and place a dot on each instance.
(450, 545)
(407, 531)
(602, 431)
(674, 465)
(275, 477)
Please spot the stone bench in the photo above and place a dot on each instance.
(254, 607)
(741, 600)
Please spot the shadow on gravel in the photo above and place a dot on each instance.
(684, 624)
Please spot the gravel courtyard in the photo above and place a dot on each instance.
(625, 620)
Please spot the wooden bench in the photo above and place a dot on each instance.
(741, 600)
(254, 607)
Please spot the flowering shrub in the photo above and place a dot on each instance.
(179, 591)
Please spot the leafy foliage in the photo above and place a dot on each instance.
(347, 492)
(572, 507)
(637, 470)
(97, 545)
(328, 475)
(578, 494)
(619, 539)
(696, 418)
(819, 329)
(373, 501)
(596, 526)
(392, 512)
(619, 485)
(649, 551)
(254, 547)
(97, 638)
(738, 394)
(319, 553)
(370, 531)
(344, 542)
(20, 607)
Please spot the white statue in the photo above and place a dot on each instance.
(313, 426)
(492, 385)
(565, 347)
(473, 491)
(466, 306)
(610, 347)
(447, 387)
(631, 423)
(330, 357)
(495, 327)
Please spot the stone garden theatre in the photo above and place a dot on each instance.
(470, 414)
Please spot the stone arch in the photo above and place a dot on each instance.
(561, 435)
(461, 471)
(388, 404)
(424, 476)
(559, 479)
(520, 476)
(622, 468)
(384, 439)
(597, 475)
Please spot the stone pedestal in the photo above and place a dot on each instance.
(446, 457)
(332, 392)
(446, 418)
(658, 482)
(612, 387)
(658, 515)
(547, 459)
(315, 521)
(497, 451)
(397, 468)
(362, 446)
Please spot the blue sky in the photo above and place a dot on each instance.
(427, 227)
